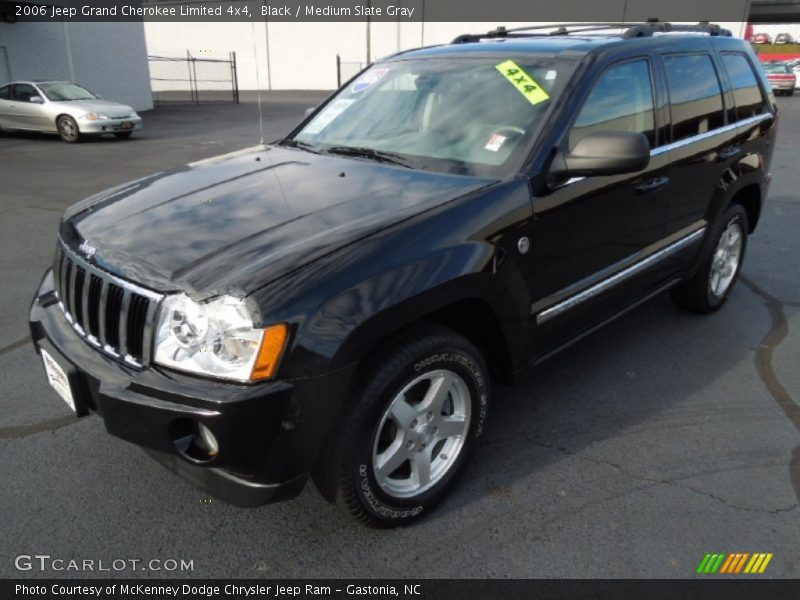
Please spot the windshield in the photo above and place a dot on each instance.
(64, 92)
(469, 116)
(777, 68)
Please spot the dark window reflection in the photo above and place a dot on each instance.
(622, 100)
(746, 93)
(695, 95)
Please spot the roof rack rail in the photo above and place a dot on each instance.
(631, 30)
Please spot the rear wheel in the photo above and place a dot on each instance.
(406, 436)
(123, 135)
(68, 129)
(719, 269)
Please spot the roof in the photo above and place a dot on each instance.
(574, 39)
(573, 46)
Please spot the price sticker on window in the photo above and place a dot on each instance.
(523, 82)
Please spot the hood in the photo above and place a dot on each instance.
(238, 222)
(107, 107)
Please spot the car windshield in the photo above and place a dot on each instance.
(65, 92)
(469, 116)
(777, 68)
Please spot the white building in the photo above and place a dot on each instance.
(302, 56)
(108, 58)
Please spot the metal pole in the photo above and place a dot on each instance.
(234, 83)
(266, 49)
(189, 67)
(338, 71)
(422, 31)
(369, 32)
(196, 87)
(235, 76)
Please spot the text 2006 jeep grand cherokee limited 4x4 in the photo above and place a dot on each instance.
(335, 305)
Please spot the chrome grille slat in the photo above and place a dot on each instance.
(101, 313)
(114, 315)
(123, 323)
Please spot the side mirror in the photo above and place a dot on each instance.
(603, 153)
(36, 100)
(310, 110)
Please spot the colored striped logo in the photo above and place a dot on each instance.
(734, 564)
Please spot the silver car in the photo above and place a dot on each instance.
(64, 108)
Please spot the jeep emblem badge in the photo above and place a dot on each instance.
(87, 249)
(524, 244)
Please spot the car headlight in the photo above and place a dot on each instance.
(95, 116)
(216, 338)
(133, 115)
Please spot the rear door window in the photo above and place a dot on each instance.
(695, 95)
(746, 91)
(5, 92)
(621, 100)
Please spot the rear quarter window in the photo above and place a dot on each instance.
(695, 95)
(746, 91)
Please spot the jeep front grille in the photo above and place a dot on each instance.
(114, 315)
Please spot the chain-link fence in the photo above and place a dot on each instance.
(194, 79)
(345, 69)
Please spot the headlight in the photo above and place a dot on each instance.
(216, 338)
(133, 115)
(94, 116)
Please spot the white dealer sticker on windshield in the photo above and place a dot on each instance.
(495, 141)
(328, 115)
(366, 80)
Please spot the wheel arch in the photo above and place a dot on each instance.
(749, 198)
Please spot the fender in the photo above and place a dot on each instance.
(343, 305)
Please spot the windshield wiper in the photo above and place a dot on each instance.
(304, 145)
(371, 153)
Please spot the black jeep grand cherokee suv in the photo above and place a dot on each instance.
(336, 304)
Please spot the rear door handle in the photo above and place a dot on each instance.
(729, 152)
(651, 185)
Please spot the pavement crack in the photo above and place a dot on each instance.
(21, 431)
(14, 346)
(663, 481)
(766, 371)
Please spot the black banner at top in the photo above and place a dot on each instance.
(493, 11)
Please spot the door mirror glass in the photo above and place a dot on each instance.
(36, 100)
(603, 153)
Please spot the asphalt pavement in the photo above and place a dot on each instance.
(661, 438)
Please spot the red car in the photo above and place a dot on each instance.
(762, 38)
(781, 78)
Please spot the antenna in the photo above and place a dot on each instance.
(258, 86)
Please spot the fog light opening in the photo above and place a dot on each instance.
(194, 441)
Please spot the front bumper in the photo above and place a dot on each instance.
(110, 125)
(269, 434)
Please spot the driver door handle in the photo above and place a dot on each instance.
(651, 185)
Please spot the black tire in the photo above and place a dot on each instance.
(790, 93)
(123, 135)
(696, 294)
(345, 474)
(68, 129)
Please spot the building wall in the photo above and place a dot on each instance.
(108, 58)
(302, 56)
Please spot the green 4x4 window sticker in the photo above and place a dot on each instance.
(523, 82)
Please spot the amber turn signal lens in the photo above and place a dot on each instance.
(269, 355)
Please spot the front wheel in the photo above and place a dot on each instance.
(719, 268)
(68, 129)
(406, 436)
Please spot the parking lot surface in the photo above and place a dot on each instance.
(661, 438)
